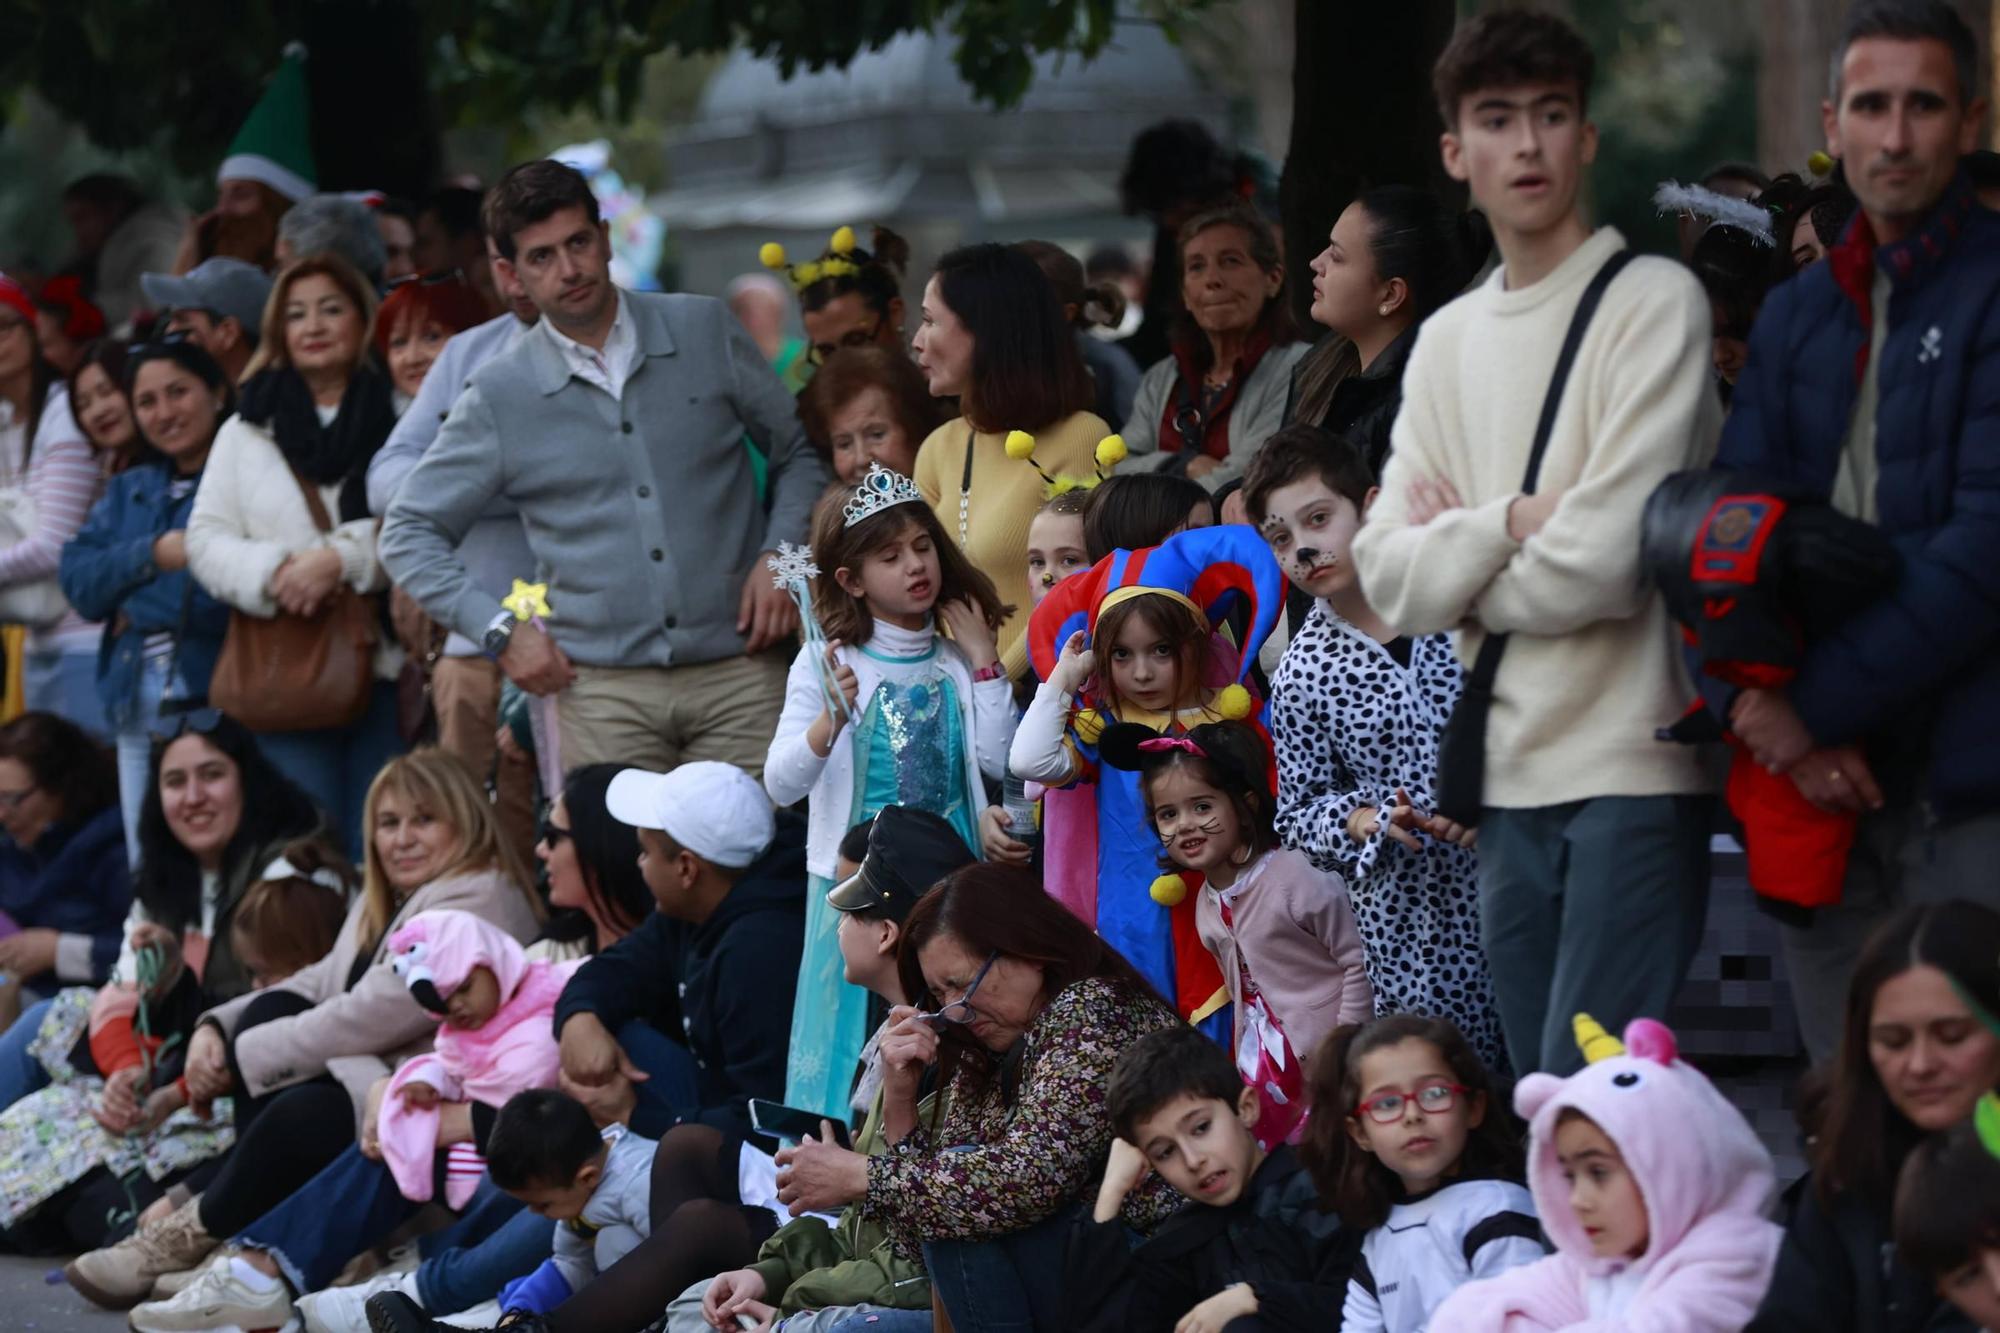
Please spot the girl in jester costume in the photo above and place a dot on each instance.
(1133, 640)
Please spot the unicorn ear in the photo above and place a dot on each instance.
(1532, 1093)
(1650, 1039)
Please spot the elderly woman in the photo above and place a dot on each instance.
(313, 411)
(1205, 410)
(307, 1060)
(868, 405)
(1021, 1010)
(333, 224)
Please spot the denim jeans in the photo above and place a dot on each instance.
(460, 1277)
(139, 720)
(65, 683)
(672, 1092)
(1008, 1284)
(343, 1210)
(865, 1319)
(20, 1072)
(334, 765)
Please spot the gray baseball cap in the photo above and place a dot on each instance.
(228, 287)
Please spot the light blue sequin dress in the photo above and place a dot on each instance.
(910, 748)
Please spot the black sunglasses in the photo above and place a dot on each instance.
(161, 342)
(552, 835)
(200, 721)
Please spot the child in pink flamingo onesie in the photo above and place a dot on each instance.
(496, 1038)
(1654, 1190)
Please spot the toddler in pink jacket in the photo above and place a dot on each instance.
(496, 1038)
(1654, 1191)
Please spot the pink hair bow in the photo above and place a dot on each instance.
(1159, 743)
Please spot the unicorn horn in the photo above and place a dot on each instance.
(1595, 1043)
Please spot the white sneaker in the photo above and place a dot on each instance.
(231, 1295)
(345, 1309)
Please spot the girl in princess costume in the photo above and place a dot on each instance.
(888, 711)
(1132, 641)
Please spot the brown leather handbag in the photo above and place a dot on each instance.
(299, 673)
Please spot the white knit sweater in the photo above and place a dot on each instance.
(249, 514)
(1593, 666)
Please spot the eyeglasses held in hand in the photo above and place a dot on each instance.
(959, 1011)
(1386, 1108)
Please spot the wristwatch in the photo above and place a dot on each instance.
(499, 632)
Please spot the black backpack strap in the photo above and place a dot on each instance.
(1462, 752)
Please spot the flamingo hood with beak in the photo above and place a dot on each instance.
(1707, 1183)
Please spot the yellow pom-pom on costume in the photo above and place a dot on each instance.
(1169, 890)
(1087, 725)
(1820, 164)
(843, 242)
(1233, 702)
(771, 255)
(1110, 451)
(1020, 444)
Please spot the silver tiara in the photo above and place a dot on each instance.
(880, 489)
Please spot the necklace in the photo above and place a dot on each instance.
(965, 493)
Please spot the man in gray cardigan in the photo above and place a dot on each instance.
(616, 429)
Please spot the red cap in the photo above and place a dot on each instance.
(64, 296)
(14, 294)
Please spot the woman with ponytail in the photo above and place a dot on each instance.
(1396, 255)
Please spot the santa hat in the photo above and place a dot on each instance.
(13, 294)
(274, 147)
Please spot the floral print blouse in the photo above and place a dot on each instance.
(1015, 1165)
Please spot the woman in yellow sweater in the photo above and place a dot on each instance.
(993, 336)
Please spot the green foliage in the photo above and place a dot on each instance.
(122, 70)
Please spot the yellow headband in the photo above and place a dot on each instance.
(1126, 594)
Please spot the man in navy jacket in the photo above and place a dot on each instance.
(691, 1014)
(1874, 378)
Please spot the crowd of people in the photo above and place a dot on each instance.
(1035, 830)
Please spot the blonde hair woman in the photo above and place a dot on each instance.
(313, 409)
(303, 1059)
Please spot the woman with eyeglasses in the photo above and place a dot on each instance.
(127, 566)
(1020, 1012)
(48, 478)
(312, 411)
(418, 316)
(63, 882)
(308, 1059)
(1220, 393)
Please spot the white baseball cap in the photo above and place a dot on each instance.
(715, 810)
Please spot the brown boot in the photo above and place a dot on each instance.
(122, 1275)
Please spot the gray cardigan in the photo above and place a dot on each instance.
(1254, 417)
(641, 512)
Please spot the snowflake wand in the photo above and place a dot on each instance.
(792, 570)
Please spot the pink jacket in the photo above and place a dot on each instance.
(1707, 1183)
(511, 1052)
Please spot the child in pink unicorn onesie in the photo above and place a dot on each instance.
(496, 1038)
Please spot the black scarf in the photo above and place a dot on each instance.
(332, 455)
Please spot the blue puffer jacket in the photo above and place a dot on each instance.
(108, 574)
(1925, 656)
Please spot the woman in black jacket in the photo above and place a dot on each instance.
(1394, 257)
(1913, 1060)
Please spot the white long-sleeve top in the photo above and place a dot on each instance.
(249, 515)
(792, 771)
(63, 479)
(1430, 1247)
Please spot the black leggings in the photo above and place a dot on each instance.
(283, 1138)
(700, 1228)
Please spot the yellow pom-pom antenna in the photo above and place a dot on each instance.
(1234, 702)
(1169, 890)
(805, 275)
(1111, 451)
(843, 242)
(771, 255)
(1020, 444)
(1595, 1043)
(1820, 164)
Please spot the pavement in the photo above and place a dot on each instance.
(29, 1303)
